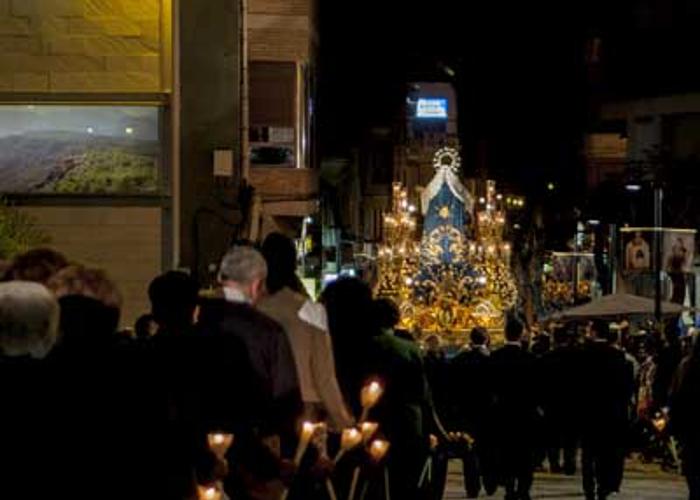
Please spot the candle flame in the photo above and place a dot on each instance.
(350, 438)
(368, 429)
(378, 449)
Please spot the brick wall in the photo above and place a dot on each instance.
(84, 45)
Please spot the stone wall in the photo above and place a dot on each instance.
(116, 46)
(125, 241)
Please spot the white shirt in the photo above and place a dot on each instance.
(235, 295)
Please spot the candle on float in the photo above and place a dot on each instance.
(219, 443)
(368, 429)
(209, 492)
(378, 449)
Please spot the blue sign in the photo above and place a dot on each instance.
(433, 108)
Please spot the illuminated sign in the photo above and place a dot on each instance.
(431, 108)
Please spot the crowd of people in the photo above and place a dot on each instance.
(91, 411)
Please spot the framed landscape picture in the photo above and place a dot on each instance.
(80, 149)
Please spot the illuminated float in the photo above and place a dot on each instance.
(457, 275)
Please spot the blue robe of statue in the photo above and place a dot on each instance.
(444, 224)
(447, 209)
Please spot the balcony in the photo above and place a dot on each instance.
(286, 191)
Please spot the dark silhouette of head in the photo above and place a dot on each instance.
(514, 330)
(350, 310)
(144, 326)
(38, 265)
(478, 336)
(386, 314)
(281, 256)
(90, 304)
(174, 296)
(600, 330)
(560, 335)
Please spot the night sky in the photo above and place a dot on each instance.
(525, 91)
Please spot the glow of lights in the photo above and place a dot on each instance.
(90, 130)
(481, 280)
(378, 449)
(633, 187)
(129, 130)
(368, 429)
(208, 493)
(370, 394)
(550, 186)
(499, 197)
(593, 222)
(482, 200)
(219, 443)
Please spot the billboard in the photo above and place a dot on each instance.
(79, 149)
(431, 108)
(678, 251)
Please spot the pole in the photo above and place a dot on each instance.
(658, 234)
(577, 249)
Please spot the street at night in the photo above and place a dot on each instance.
(641, 483)
(349, 250)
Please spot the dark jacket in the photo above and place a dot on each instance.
(606, 387)
(558, 382)
(249, 355)
(470, 371)
(27, 429)
(512, 382)
(106, 409)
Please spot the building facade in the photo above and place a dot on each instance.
(129, 127)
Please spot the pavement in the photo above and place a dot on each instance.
(641, 482)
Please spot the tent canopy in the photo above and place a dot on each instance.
(619, 304)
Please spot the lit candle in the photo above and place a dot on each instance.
(308, 429)
(368, 429)
(219, 443)
(369, 396)
(350, 438)
(209, 492)
(307, 432)
(378, 449)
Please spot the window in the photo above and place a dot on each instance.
(273, 100)
(80, 149)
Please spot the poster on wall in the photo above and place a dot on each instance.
(637, 255)
(79, 149)
(678, 251)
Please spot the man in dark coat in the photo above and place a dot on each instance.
(558, 378)
(252, 388)
(606, 387)
(515, 412)
(470, 368)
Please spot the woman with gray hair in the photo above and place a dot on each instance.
(29, 317)
(28, 329)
